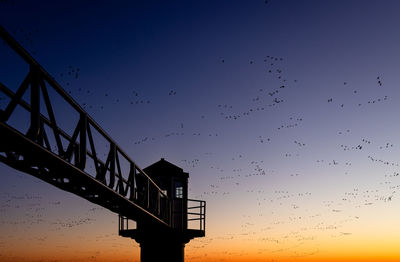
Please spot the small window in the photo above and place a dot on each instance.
(178, 189)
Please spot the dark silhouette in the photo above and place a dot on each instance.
(158, 202)
(157, 242)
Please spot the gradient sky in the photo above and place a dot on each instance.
(283, 113)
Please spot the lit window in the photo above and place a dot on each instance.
(178, 189)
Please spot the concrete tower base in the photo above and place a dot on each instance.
(161, 243)
(154, 251)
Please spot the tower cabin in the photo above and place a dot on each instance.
(186, 217)
(174, 183)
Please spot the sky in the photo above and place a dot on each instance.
(283, 113)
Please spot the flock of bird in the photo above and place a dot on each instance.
(343, 209)
(268, 202)
(26, 36)
(272, 206)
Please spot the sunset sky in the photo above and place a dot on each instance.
(283, 112)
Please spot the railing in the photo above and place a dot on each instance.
(197, 212)
(46, 132)
(123, 224)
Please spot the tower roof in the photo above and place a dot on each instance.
(164, 168)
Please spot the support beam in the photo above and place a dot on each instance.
(34, 128)
(82, 142)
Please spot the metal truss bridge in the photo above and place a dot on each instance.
(71, 159)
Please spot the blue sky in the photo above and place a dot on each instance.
(168, 78)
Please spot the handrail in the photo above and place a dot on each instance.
(200, 214)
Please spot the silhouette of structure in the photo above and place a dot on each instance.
(156, 198)
(154, 241)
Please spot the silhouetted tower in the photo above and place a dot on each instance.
(158, 243)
